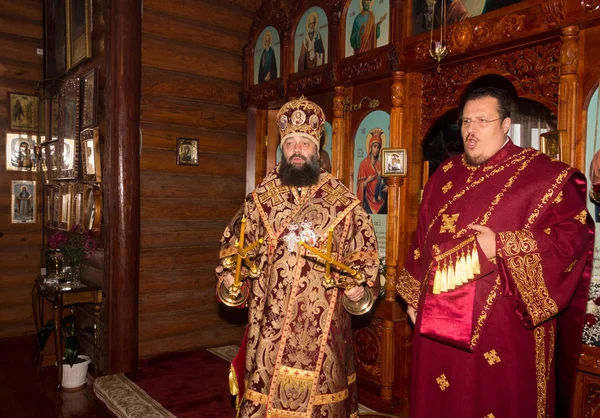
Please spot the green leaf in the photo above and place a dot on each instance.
(44, 333)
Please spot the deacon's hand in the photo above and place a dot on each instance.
(228, 280)
(412, 313)
(355, 294)
(486, 239)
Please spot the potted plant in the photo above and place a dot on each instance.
(75, 365)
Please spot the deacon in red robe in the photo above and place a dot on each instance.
(298, 353)
(497, 277)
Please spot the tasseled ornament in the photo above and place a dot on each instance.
(457, 269)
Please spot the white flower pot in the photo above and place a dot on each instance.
(76, 376)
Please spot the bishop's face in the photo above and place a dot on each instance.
(300, 163)
(298, 150)
(482, 129)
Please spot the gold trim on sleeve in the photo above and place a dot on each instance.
(408, 288)
(540, 371)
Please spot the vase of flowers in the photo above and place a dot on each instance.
(76, 245)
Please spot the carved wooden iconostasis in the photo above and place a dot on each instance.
(537, 49)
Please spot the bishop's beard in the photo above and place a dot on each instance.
(307, 175)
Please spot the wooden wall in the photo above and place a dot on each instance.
(191, 76)
(20, 244)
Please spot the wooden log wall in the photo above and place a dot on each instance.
(191, 76)
(21, 70)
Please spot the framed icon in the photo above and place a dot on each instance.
(20, 152)
(187, 151)
(551, 143)
(65, 202)
(92, 207)
(89, 99)
(394, 162)
(24, 111)
(23, 202)
(79, 31)
(68, 130)
(90, 155)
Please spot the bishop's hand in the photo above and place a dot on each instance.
(356, 293)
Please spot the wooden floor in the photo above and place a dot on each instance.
(26, 392)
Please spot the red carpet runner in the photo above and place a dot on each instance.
(186, 385)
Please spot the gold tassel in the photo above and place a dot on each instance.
(461, 273)
(469, 265)
(451, 276)
(233, 387)
(475, 261)
(444, 279)
(437, 281)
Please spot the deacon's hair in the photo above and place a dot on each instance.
(505, 100)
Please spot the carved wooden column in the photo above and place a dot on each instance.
(567, 97)
(396, 25)
(122, 186)
(334, 24)
(287, 65)
(394, 190)
(337, 125)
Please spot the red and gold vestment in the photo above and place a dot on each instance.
(299, 357)
(494, 338)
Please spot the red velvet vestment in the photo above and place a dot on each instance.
(299, 358)
(498, 344)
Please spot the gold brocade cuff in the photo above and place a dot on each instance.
(408, 288)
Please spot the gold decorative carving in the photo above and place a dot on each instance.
(306, 83)
(367, 345)
(398, 89)
(590, 6)
(554, 11)
(338, 101)
(461, 36)
(569, 54)
(362, 68)
(488, 32)
(536, 72)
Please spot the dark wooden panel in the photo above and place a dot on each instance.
(15, 71)
(23, 9)
(27, 259)
(18, 26)
(157, 282)
(164, 136)
(183, 209)
(20, 49)
(17, 296)
(168, 233)
(205, 13)
(21, 235)
(177, 258)
(163, 83)
(17, 314)
(177, 300)
(193, 186)
(161, 53)
(13, 278)
(208, 163)
(200, 338)
(189, 31)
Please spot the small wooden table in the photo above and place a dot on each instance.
(61, 297)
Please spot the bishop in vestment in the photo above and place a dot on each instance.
(298, 356)
(497, 277)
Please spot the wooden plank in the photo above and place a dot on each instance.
(28, 235)
(152, 282)
(167, 233)
(185, 30)
(20, 49)
(155, 185)
(185, 209)
(16, 296)
(206, 62)
(10, 70)
(16, 314)
(169, 259)
(177, 300)
(26, 259)
(163, 83)
(16, 278)
(15, 329)
(23, 9)
(153, 159)
(27, 28)
(165, 136)
(200, 338)
(205, 13)
(196, 114)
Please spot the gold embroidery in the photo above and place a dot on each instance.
(409, 288)
(280, 413)
(550, 352)
(484, 312)
(449, 223)
(255, 396)
(435, 249)
(517, 242)
(354, 415)
(273, 193)
(416, 254)
(331, 398)
(582, 216)
(335, 195)
(447, 187)
(442, 382)
(492, 357)
(490, 415)
(559, 198)
(547, 231)
(545, 198)
(570, 267)
(351, 378)
(540, 371)
(447, 166)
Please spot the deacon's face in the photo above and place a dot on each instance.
(482, 129)
(298, 150)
